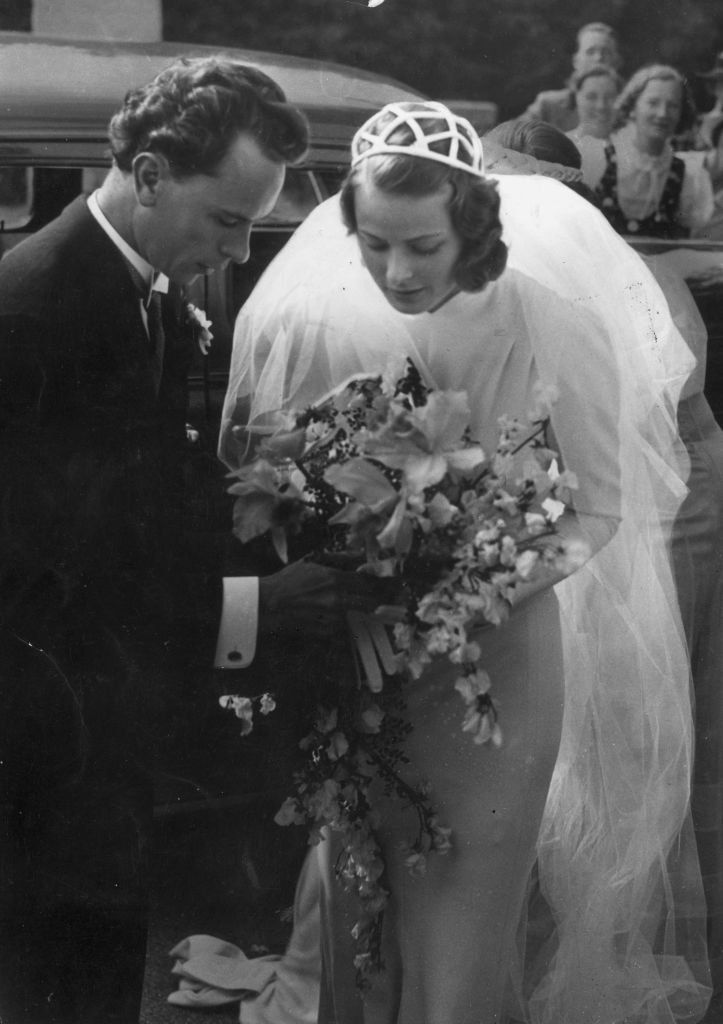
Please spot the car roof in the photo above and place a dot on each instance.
(55, 89)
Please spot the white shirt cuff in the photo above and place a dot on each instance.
(236, 645)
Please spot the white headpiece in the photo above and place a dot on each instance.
(454, 142)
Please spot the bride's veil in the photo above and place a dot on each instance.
(616, 853)
(617, 870)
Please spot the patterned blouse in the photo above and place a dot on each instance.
(663, 222)
(665, 195)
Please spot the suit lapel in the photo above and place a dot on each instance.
(108, 285)
(112, 290)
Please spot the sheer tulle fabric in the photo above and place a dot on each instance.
(698, 562)
(617, 884)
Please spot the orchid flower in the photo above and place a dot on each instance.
(201, 325)
(269, 499)
(377, 508)
(424, 442)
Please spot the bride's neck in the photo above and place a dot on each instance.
(443, 302)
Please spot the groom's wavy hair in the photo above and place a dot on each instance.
(474, 206)
(194, 109)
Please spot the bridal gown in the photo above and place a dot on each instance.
(571, 893)
(466, 909)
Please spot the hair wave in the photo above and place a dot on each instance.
(194, 109)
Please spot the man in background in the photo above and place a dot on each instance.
(711, 118)
(596, 44)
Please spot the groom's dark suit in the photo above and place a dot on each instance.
(97, 593)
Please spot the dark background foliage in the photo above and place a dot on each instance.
(499, 50)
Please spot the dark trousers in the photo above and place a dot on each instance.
(75, 818)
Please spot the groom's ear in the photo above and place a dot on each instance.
(149, 171)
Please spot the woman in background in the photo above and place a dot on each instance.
(555, 154)
(537, 138)
(644, 187)
(596, 90)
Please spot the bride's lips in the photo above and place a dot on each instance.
(405, 295)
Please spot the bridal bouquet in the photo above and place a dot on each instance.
(388, 469)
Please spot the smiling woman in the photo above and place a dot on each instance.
(644, 187)
(596, 89)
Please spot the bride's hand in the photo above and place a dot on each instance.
(313, 598)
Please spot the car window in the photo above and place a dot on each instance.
(298, 198)
(29, 197)
(16, 197)
(332, 178)
(33, 196)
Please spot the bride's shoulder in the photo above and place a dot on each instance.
(528, 196)
(542, 216)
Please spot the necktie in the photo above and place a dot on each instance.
(156, 336)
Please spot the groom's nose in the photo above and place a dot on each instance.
(237, 246)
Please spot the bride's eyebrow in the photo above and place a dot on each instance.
(431, 236)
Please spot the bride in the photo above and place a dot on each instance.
(572, 892)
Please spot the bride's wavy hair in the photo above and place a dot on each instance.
(474, 207)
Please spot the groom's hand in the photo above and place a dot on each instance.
(313, 599)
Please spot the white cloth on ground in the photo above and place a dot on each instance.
(271, 989)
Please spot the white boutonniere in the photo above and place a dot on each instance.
(200, 324)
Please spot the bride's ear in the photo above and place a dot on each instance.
(150, 170)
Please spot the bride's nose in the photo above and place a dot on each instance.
(399, 267)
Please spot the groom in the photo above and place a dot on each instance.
(109, 591)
